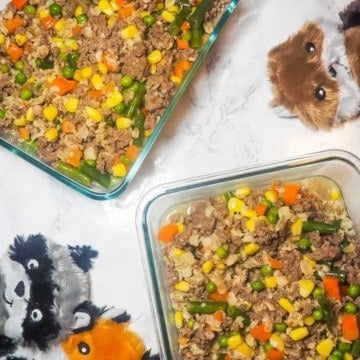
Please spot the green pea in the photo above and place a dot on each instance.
(334, 357)
(134, 86)
(344, 347)
(338, 352)
(266, 270)
(126, 81)
(149, 20)
(257, 285)
(318, 292)
(119, 108)
(4, 68)
(305, 244)
(190, 324)
(211, 287)
(223, 341)
(126, 160)
(273, 215)
(20, 78)
(318, 314)
(82, 19)
(222, 252)
(350, 308)
(55, 9)
(267, 347)
(67, 72)
(2, 113)
(354, 291)
(19, 65)
(30, 9)
(280, 327)
(26, 94)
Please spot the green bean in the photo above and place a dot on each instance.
(139, 124)
(196, 37)
(95, 174)
(355, 348)
(322, 228)
(73, 173)
(272, 215)
(30, 146)
(328, 312)
(228, 195)
(185, 10)
(44, 63)
(136, 101)
(340, 274)
(343, 346)
(72, 59)
(196, 19)
(234, 312)
(206, 307)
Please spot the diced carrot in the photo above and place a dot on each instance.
(275, 264)
(332, 287)
(110, 62)
(274, 354)
(180, 67)
(120, 3)
(75, 157)
(291, 191)
(14, 23)
(14, 51)
(219, 315)
(19, 4)
(24, 133)
(132, 152)
(126, 11)
(67, 127)
(182, 44)
(185, 26)
(260, 209)
(48, 22)
(94, 94)
(217, 296)
(64, 86)
(182, 340)
(350, 327)
(77, 29)
(260, 333)
(168, 232)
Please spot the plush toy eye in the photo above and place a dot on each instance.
(32, 264)
(320, 93)
(36, 315)
(310, 47)
(83, 348)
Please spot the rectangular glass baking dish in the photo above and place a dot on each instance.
(119, 186)
(341, 167)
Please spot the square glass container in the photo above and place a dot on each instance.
(339, 166)
(118, 187)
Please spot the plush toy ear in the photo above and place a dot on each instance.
(83, 256)
(7, 346)
(283, 112)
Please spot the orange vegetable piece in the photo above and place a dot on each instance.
(63, 85)
(110, 62)
(132, 152)
(109, 87)
(227, 357)
(182, 44)
(75, 157)
(168, 232)
(291, 191)
(275, 264)
(185, 26)
(67, 127)
(77, 29)
(182, 340)
(219, 315)
(332, 287)
(14, 23)
(94, 94)
(48, 22)
(126, 11)
(24, 133)
(260, 333)
(217, 296)
(14, 52)
(19, 4)
(350, 327)
(260, 209)
(274, 354)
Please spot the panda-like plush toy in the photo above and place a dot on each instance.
(41, 285)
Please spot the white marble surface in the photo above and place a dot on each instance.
(222, 122)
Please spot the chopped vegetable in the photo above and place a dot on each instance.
(260, 333)
(322, 228)
(332, 287)
(290, 194)
(168, 232)
(350, 327)
(62, 85)
(205, 307)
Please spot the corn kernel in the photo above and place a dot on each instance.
(299, 333)
(71, 104)
(286, 305)
(245, 349)
(2, 39)
(173, 8)
(123, 122)
(250, 225)
(94, 114)
(270, 282)
(220, 266)
(179, 320)
(235, 205)
(271, 195)
(234, 341)
(119, 170)
(20, 39)
(78, 10)
(251, 249)
(242, 191)
(207, 266)
(306, 286)
(309, 320)
(175, 79)
(86, 72)
(129, 32)
(182, 286)
(277, 342)
(114, 5)
(59, 26)
(154, 57)
(112, 21)
(309, 261)
(115, 98)
(43, 13)
(77, 75)
(167, 16)
(29, 116)
(153, 69)
(102, 68)
(325, 347)
(147, 132)
(51, 134)
(105, 7)
(348, 356)
(251, 214)
(50, 112)
(21, 121)
(181, 228)
(335, 193)
(72, 44)
(178, 252)
(296, 228)
(97, 82)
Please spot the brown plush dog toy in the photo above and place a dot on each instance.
(315, 73)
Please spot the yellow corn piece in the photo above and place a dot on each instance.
(114, 5)
(335, 193)
(178, 252)
(175, 79)
(167, 16)
(308, 320)
(270, 282)
(235, 205)
(129, 32)
(60, 25)
(348, 356)
(147, 132)
(325, 347)
(153, 68)
(42, 12)
(123, 122)
(78, 10)
(72, 44)
(242, 191)
(97, 82)
(181, 228)
(286, 305)
(77, 75)
(182, 286)
(86, 72)
(29, 116)
(179, 320)
(309, 261)
(173, 8)
(299, 333)
(105, 7)
(207, 266)
(112, 21)
(251, 214)
(2, 39)
(20, 39)
(21, 121)
(250, 225)
(115, 98)
(71, 104)
(220, 266)
(234, 341)
(306, 286)
(277, 342)
(251, 248)
(271, 195)
(94, 114)
(51, 134)
(102, 68)
(296, 228)
(119, 170)
(154, 57)
(50, 112)
(245, 350)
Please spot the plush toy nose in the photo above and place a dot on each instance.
(20, 289)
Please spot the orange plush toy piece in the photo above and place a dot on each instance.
(99, 337)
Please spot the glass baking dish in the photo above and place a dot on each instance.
(340, 167)
(118, 185)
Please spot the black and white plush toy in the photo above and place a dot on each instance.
(41, 284)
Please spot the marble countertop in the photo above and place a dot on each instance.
(222, 122)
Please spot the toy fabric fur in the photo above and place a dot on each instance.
(315, 73)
